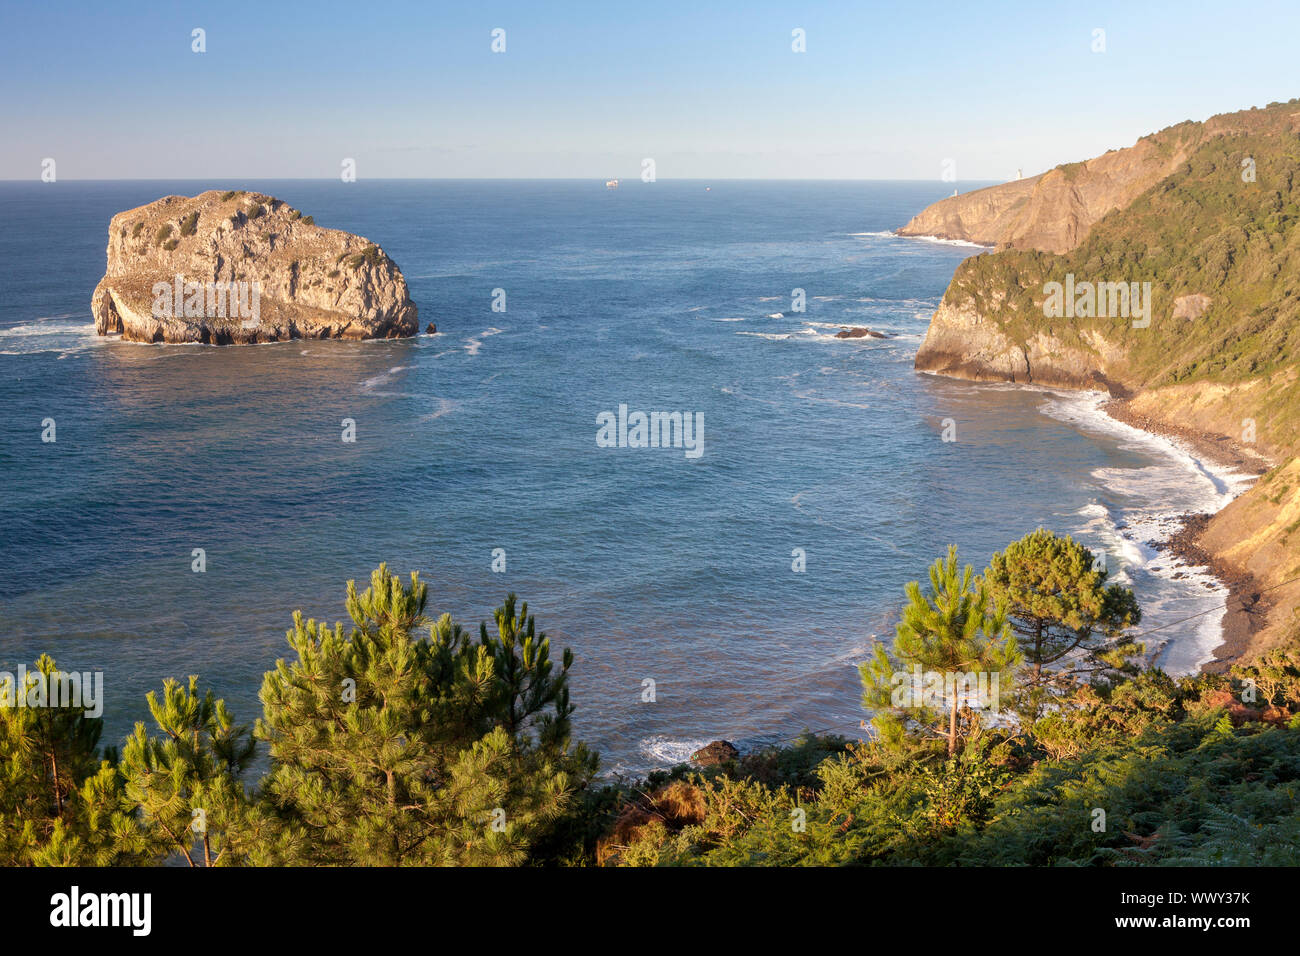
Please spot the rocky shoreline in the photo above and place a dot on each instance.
(1248, 607)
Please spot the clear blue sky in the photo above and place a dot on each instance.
(709, 90)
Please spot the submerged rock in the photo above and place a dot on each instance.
(240, 267)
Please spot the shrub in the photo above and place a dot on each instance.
(370, 254)
(163, 232)
(190, 224)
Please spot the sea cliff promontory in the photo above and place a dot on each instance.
(239, 267)
(1055, 211)
(1162, 274)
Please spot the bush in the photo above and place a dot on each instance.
(370, 254)
(189, 224)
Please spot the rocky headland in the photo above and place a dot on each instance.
(1201, 223)
(238, 267)
(1054, 211)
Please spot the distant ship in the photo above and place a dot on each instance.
(611, 184)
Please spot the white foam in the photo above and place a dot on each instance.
(1174, 481)
(445, 407)
(67, 333)
(939, 240)
(667, 752)
(475, 342)
(887, 234)
(384, 377)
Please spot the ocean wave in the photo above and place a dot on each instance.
(66, 333)
(445, 407)
(940, 240)
(666, 752)
(475, 342)
(1217, 484)
(1144, 509)
(384, 377)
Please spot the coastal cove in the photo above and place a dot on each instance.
(649, 563)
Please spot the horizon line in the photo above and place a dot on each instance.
(514, 179)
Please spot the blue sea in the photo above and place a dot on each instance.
(649, 564)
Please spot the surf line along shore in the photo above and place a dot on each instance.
(1247, 604)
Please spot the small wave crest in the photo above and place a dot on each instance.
(475, 342)
(65, 334)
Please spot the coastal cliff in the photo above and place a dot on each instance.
(1176, 259)
(1056, 210)
(240, 267)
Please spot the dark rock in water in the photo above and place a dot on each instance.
(430, 329)
(858, 332)
(716, 753)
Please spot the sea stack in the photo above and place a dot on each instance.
(229, 268)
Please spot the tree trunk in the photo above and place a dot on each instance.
(58, 793)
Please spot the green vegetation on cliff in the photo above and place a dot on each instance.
(1226, 226)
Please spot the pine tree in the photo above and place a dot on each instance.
(60, 797)
(952, 630)
(391, 747)
(1069, 622)
(185, 781)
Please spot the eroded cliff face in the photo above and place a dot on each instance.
(985, 216)
(963, 342)
(225, 256)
